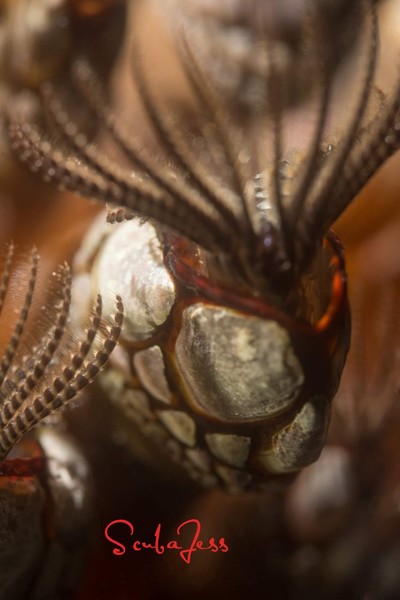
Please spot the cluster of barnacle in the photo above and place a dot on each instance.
(236, 322)
(44, 365)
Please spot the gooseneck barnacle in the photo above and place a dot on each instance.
(223, 254)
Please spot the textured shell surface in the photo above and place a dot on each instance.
(140, 277)
(225, 384)
(249, 367)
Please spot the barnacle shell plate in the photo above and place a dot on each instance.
(223, 392)
(131, 262)
(237, 366)
(299, 443)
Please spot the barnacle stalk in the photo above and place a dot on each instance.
(41, 371)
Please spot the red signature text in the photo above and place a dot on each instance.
(191, 527)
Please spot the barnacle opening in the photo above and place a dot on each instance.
(314, 304)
